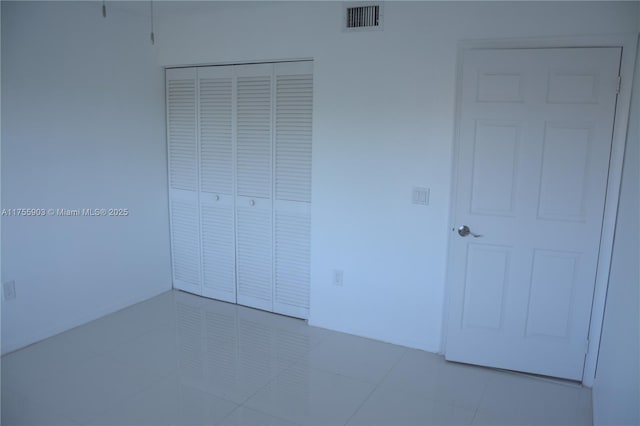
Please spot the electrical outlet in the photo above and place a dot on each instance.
(9, 290)
(337, 277)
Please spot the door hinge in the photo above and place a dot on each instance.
(618, 86)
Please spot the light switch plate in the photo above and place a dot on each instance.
(421, 196)
(337, 277)
(9, 290)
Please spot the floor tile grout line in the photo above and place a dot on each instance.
(295, 362)
(376, 386)
(475, 413)
(71, 420)
(300, 360)
(273, 379)
(358, 379)
(121, 399)
(278, 374)
(284, 362)
(221, 422)
(485, 389)
(115, 403)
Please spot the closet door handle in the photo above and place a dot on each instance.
(217, 198)
(252, 203)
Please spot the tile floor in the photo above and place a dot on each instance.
(178, 359)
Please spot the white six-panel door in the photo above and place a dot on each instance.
(240, 183)
(534, 141)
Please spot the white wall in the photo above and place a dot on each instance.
(616, 391)
(83, 127)
(383, 123)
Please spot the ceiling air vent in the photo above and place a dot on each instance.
(364, 17)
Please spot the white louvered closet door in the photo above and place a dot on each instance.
(254, 230)
(215, 100)
(183, 178)
(292, 172)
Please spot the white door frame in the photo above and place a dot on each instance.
(628, 43)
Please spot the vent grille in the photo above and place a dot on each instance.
(363, 16)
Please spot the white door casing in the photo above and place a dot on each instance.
(534, 142)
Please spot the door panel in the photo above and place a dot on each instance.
(292, 174)
(292, 269)
(254, 128)
(563, 189)
(553, 280)
(254, 253)
(254, 228)
(535, 132)
(181, 129)
(216, 130)
(485, 286)
(185, 244)
(218, 247)
(495, 155)
(217, 221)
(182, 145)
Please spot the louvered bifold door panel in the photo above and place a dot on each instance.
(292, 269)
(254, 260)
(185, 248)
(216, 127)
(254, 229)
(292, 205)
(181, 129)
(254, 130)
(294, 97)
(183, 178)
(216, 182)
(218, 247)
